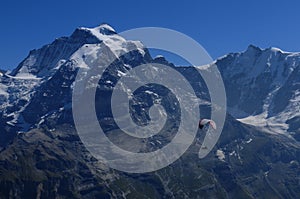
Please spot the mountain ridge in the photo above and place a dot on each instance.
(256, 80)
(43, 154)
(245, 73)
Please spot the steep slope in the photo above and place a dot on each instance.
(263, 87)
(54, 163)
(42, 155)
(45, 163)
(41, 85)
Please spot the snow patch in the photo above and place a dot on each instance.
(248, 141)
(273, 125)
(220, 154)
(24, 76)
(3, 90)
(120, 73)
(159, 56)
(116, 43)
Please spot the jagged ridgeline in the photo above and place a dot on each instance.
(42, 156)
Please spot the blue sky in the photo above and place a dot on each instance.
(219, 26)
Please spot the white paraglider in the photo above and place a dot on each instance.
(207, 122)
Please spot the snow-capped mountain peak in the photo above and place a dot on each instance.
(102, 32)
(45, 61)
(41, 151)
(262, 86)
(28, 81)
(260, 83)
(106, 29)
(107, 36)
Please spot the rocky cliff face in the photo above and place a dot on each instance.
(263, 88)
(42, 156)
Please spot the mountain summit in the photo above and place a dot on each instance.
(41, 154)
(54, 67)
(263, 87)
(46, 60)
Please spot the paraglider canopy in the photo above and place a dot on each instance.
(205, 122)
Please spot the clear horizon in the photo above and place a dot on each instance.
(220, 27)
